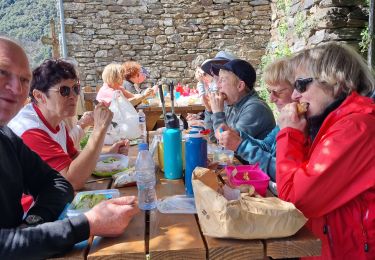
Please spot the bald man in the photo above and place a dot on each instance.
(39, 235)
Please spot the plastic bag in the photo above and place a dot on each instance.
(125, 178)
(178, 204)
(126, 118)
(245, 218)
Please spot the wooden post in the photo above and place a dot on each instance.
(371, 47)
(52, 40)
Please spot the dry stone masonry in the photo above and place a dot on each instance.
(168, 37)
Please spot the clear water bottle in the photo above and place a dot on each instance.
(146, 180)
(142, 125)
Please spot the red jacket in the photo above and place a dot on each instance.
(332, 181)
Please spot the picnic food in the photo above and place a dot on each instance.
(301, 108)
(246, 176)
(110, 164)
(88, 201)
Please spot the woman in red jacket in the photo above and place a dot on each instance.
(325, 158)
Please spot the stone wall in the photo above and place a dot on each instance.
(168, 37)
(301, 23)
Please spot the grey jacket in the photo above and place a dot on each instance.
(250, 115)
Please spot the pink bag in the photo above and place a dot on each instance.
(250, 175)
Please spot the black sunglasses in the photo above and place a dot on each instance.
(301, 84)
(65, 90)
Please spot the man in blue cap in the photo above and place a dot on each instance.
(236, 103)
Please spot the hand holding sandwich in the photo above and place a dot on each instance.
(293, 115)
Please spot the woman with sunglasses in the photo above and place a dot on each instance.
(54, 95)
(325, 159)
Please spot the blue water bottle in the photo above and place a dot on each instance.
(172, 147)
(195, 155)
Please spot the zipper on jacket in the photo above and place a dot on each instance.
(364, 232)
(327, 232)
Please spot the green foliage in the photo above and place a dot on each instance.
(27, 21)
(300, 25)
(282, 28)
(365, 41)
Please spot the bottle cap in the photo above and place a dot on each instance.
(194, 134)
(171, 121)
(142, 146)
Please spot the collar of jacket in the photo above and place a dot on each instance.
(244, 99)
(315, 122)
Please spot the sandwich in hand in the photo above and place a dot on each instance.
(301, 108)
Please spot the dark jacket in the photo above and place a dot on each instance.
(250, 115)
(22, 170)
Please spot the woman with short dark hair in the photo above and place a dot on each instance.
(54, 95)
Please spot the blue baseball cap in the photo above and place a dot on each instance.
(241, 68)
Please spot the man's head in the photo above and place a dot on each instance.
(15, 77)
(236, 79)
(279, 77)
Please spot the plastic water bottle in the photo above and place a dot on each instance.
(145, 175)
(195, 155)
(142, 125)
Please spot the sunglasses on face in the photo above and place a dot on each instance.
(65, 90)
(301, 84)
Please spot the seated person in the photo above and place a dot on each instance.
(22, 170)
(236, 103)
(325, 159)
(207, 84)
(134, 75)
(113, 77)
(279, 77)
(54, 95)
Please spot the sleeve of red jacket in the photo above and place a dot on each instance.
(340, 167)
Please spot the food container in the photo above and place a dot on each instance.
(248, 174)
(86, 200)
(223, 157)
(110, 164)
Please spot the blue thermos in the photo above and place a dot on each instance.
(172, 147)
(195, 155)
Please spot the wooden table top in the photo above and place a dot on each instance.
(178, 236)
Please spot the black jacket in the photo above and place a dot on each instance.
(22, 170)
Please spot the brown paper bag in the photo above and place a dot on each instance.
(245, 218)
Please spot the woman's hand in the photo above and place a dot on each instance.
(206, 102)
(102, 116)
(121, 147)
(217, 102)
(149, 92)
(289, 118)
(228, 137)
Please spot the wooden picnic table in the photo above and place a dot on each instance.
(178, 236)
(153, 113)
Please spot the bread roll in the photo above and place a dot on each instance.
(301, 108)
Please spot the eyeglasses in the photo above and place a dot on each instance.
(276, 93)
(301, 84)
(65, 90)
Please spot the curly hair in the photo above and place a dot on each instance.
(131, 69)
(50, 73)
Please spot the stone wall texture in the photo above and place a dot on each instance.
(169, 37)
(311, 22)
